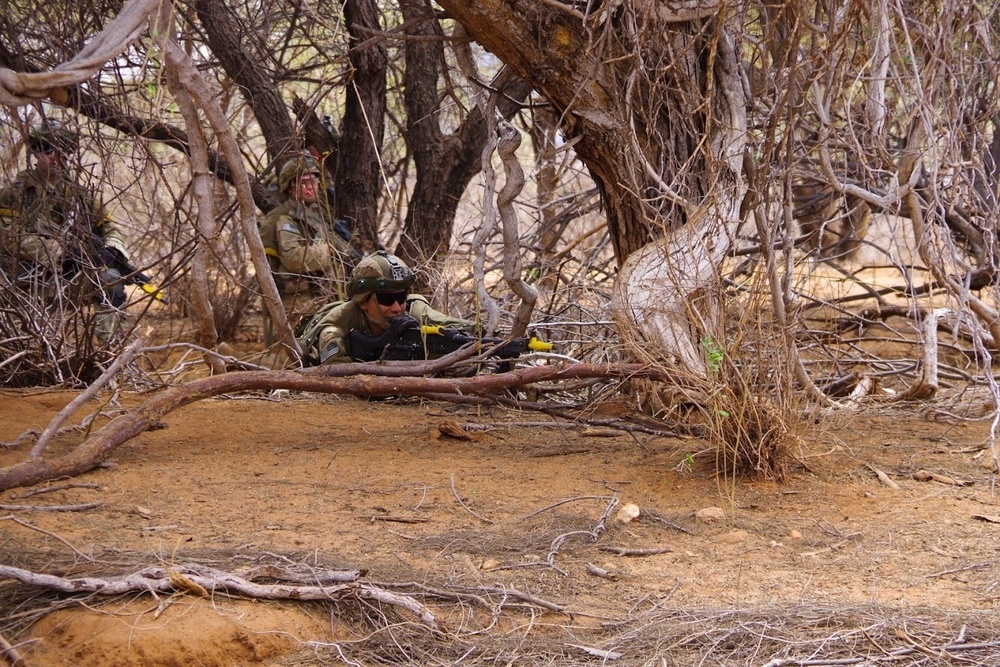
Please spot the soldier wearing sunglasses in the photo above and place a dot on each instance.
(378, 292)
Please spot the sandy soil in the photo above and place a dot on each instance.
(323, 481)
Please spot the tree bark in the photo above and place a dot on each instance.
(235, 50)
(653, 98)
(359, 172)
(445, 161)
(655, 103)
(190, 80)
(201, 188)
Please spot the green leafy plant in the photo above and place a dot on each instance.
(713, 352)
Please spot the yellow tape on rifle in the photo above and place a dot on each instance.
(534, 344)
(155, 291)
(539, 345)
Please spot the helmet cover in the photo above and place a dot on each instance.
(52, 137)
(295, 167)
(379, 272)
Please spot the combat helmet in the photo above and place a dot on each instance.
(379, 272)
(295, 167)
(52, 137)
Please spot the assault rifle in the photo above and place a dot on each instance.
(113, 258)
(407, 340)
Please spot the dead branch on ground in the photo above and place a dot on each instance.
(206, 581)
(391, 379)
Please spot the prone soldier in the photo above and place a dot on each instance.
(378, 295)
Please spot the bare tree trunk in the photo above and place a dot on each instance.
(544, 130)
(510, 139)
(445, 161)
(188, 77)
(654, 99)
(202, 189)
(359, 178)
(237, 56)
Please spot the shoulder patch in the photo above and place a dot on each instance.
(289, 227)
(331, 350)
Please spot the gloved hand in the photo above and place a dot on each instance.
(400, 324)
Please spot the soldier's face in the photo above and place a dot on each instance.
(50, 165)
(379, 315)
(307, 188)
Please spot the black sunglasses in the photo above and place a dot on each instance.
(389, 298)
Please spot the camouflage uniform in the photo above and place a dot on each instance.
(308, 259)
(45, 233)
(304, 257)
(324, 336)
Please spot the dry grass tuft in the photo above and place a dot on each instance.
(751, 433)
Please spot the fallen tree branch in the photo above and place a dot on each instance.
(468, 509)
(206, 581)
(884, 478)
(10, 653)
(50, 431)
(54, 536)
(52, 508)
(60, 487)
(391, 379)
(622, 551)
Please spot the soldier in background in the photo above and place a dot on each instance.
(54, 231)
(308, 259)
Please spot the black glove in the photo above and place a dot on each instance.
(400, 324)
(116, 258)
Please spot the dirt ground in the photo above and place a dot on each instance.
(507, 513)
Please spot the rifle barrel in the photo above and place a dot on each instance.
(533, 343)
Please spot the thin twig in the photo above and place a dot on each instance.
(562, 502)
(52, 508)
(976, 566)
(50, 431)
(622, 551)
(50, 534)
(10, 653)
(464, 506)
(60, 487)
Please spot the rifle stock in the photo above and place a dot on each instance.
(113, 259)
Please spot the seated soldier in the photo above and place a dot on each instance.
(53, 227)
(378, 292)
(308, 258)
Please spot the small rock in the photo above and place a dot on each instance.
(710, 515)
(628, 513)
(735, 537)
(490, 564)
(794, 534)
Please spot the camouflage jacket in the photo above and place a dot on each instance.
(300, 243)
(46, 222)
